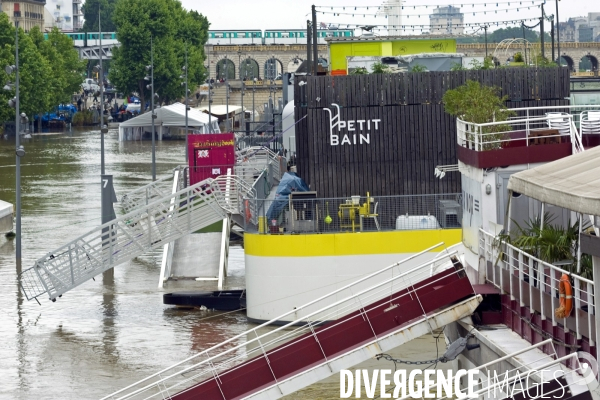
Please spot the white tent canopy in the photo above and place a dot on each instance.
(221, 110)
(572, 182)
(172, 116)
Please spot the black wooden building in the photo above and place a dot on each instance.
(392, 131)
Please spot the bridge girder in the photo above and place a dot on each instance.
(93, 52)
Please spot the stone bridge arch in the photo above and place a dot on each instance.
(588, 62)
(568, 62)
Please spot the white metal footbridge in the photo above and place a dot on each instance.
(155, 215)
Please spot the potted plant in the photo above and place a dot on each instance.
(476, 103)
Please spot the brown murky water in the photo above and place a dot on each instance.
(101, 336)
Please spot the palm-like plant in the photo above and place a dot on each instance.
(551, 243)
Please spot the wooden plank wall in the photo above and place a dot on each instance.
(415, 133)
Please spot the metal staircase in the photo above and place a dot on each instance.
(146, 227)
(350, 325)
(155, 215)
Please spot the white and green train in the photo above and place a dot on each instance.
(271, 36)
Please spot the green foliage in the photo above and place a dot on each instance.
(418, 68)
(505, 33)
(519, 57)
(488, 63)
(479, 104)
(380, 68)
(49, 70)
(458, 67)
(83, 118)
(90, 14)
(544, 62)
(551, 243)
(172, 29)
(359, 71)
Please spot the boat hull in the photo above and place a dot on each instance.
(286, 271)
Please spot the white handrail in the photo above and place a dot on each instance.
(167, 258)
(576, 141)
(283, 317)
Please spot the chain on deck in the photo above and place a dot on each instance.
(148, 226)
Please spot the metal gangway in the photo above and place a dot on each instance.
(154, 217)
(349, 325)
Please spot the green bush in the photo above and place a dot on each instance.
(83, 118)
(380, 68)
(418, 68)
(479, 104)
(519, 57)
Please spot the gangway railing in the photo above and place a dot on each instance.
(146, 194)
(326, 335)
(526, 277)
(543, 369)
(133, 234)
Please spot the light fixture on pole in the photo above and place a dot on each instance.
(209, 81)
(558, 35)
(150, 68)
(99, 69)
(19, 150)
(253, 93)
(185, 83)
(227, 128)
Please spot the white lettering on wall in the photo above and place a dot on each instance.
(337, 125)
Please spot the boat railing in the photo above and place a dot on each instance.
(294, 215)
(530, 280)
(530, 126)
(356, 299)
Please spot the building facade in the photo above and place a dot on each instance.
(447, 20)
(77, 15)
(581, 29)
(29, 13)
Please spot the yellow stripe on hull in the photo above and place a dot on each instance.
(345, 244)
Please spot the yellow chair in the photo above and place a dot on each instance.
(365, 212)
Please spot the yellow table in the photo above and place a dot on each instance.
(347, 214)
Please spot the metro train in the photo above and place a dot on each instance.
(271, 36)
(229, 37)
(82, 39)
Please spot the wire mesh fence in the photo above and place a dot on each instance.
(302, 212)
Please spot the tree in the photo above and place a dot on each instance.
(172, 29)
(49, 70)
(67, 70)
(473, 102)
(90, 14)
(506, 33)
(34, 71)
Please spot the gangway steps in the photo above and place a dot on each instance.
(133, 234)
(429, 304)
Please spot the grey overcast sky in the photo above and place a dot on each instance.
(292, 14)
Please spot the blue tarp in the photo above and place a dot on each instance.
(65, 113)
(290, 182)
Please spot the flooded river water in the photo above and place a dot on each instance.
(103, 335)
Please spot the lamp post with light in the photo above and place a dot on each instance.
(185, 83)
(19, 150)
(150, 68)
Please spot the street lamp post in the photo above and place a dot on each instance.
(209, 82)
(242, 94)
(103, 130)
(227, 93)
(253, 92)
(558, 34)
(150, 68)
(185, 83)
(19, 150)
